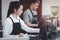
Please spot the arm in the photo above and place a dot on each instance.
(31, 25)
(29, 29)
(7, 27)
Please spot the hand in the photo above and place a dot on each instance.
(36, 25)
(21, 34)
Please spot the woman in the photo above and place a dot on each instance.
(14, 25)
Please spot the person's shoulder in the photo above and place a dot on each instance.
(27, 11)
(7, 19)
(21, 21)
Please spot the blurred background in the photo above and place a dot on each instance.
(49, 9)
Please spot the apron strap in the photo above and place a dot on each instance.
(11, 19)
(31, 11)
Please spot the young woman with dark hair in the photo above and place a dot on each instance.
(14, 25)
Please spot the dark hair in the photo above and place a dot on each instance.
(13, 5)
(34, 1)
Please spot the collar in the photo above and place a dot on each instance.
(14, 17)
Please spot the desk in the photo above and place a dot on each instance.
(15, 38)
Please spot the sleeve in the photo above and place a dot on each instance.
(29, 29)
(26, 16)
(7, 27)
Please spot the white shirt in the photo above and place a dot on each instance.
(8, 26)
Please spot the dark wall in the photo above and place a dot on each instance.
(0, 20)
(0, 15)
(0, 10)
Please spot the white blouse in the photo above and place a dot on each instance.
(8, 26)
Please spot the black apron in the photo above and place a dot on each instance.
(33, 22)
(34, 17)
(16, 27)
